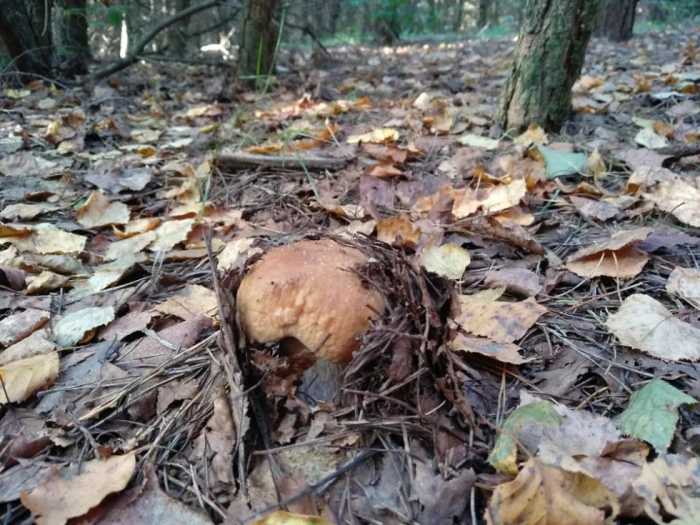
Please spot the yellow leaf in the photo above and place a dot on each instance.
(378, 135)
(21, 379)
(282, 517)
(98, 211)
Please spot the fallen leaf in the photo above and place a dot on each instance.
(645, 324)
(649, 139)
(542, 495)
(377, 136)
(679, 198)
(129, 245)
(477, 141)
(45, 238)
(384, 170)
(613, 258)
(171, 233)
(70, 492)
(504, 352)
(398, 232)
(16, 327)
(533, 135)
(79, 326)
(125, 325)
(595, 209)
(448, 260)
(561, 163)
(38, 343)
(99, 211)
(442, 500)
(519, 281)
(236, 252)
(500, 321)
(669, 485)
(193, 300)
(645, 177)
(503, 457)
(652, 414)
(282, 517)
(685, 283)
(25, 211)
(21, 379)
(504, 196)
(215, 445)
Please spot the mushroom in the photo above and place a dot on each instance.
(306, 296)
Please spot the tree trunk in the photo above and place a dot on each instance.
(25, 27)
(256, 55)
(75, 47)
(547, 62)
(179, 34)
(616, 19)
(656, 13)
(483, 14)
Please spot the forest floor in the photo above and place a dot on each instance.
(536, 357)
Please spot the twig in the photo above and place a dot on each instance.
(240, 159)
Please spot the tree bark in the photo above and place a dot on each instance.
(483, 14)
(547, 62)
(616, 19)
(25, 27)
(256, 55)
(75, 46)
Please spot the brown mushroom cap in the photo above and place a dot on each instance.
(305, 291)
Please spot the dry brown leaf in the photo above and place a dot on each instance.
(193, 300)
(38, 343)
(16, 327)
(596, 209)
(21, 379)
(398, 232)
(613, 258)
(25, 211)
(669, 485)
(79, 326)
(137, 226)
(45, 282)
(46, 238)
(520, 281)
(380, 136)
(71, 492)
(504, 352)
(236, 252)
(645, 177)
(99, 211)
(216, 443)
(171, 233)
(534, 134)
(679, 198)
(104, 276)
(448, 260)
(129, 245)
(125, 325)
(542, 495)
(685, 283)
(645, 324)
(503, 322)
(384, 170)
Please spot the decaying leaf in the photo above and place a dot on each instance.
(21, 379)
(236, 252)
(542, 495)
(448, 260)
(377, 136)
(685, 283)
(645, 324)
(504, 352)
(679, 198)
(98, 211)
(520, 281)
(613, 258)
(282, 517)
(398, 231)
(171, 233)
(16, 327)
(670, 485)
(70, 492)
(500, 321)
(215, 445)
(652, 414)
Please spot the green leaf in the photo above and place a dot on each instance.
(561, 163)
(504, 454)
(652, 414)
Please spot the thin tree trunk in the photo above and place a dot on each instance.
(547, 62)
(25, 27)
(256, 56)
(483, 13)
(74, 36)
(616, 19)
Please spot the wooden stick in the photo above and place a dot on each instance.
(241, 159)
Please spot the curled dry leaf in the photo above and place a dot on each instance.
(645, 324)
(98, 211)
(171, 233)
(613, 258)
(70, 492)
(379, 136)
(79, 326)
(679, 198)
(21, 379)
(685, 283)
(503, 322)
(237, 252)
(46, 238)
(504, 352)
(520, 281)
(449, 260)
(45, 282)
(37, 343)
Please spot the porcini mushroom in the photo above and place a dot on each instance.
(306, 294)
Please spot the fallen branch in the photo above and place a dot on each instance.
(133, 56)
(241, 159)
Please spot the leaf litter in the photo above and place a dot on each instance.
(556, 264)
